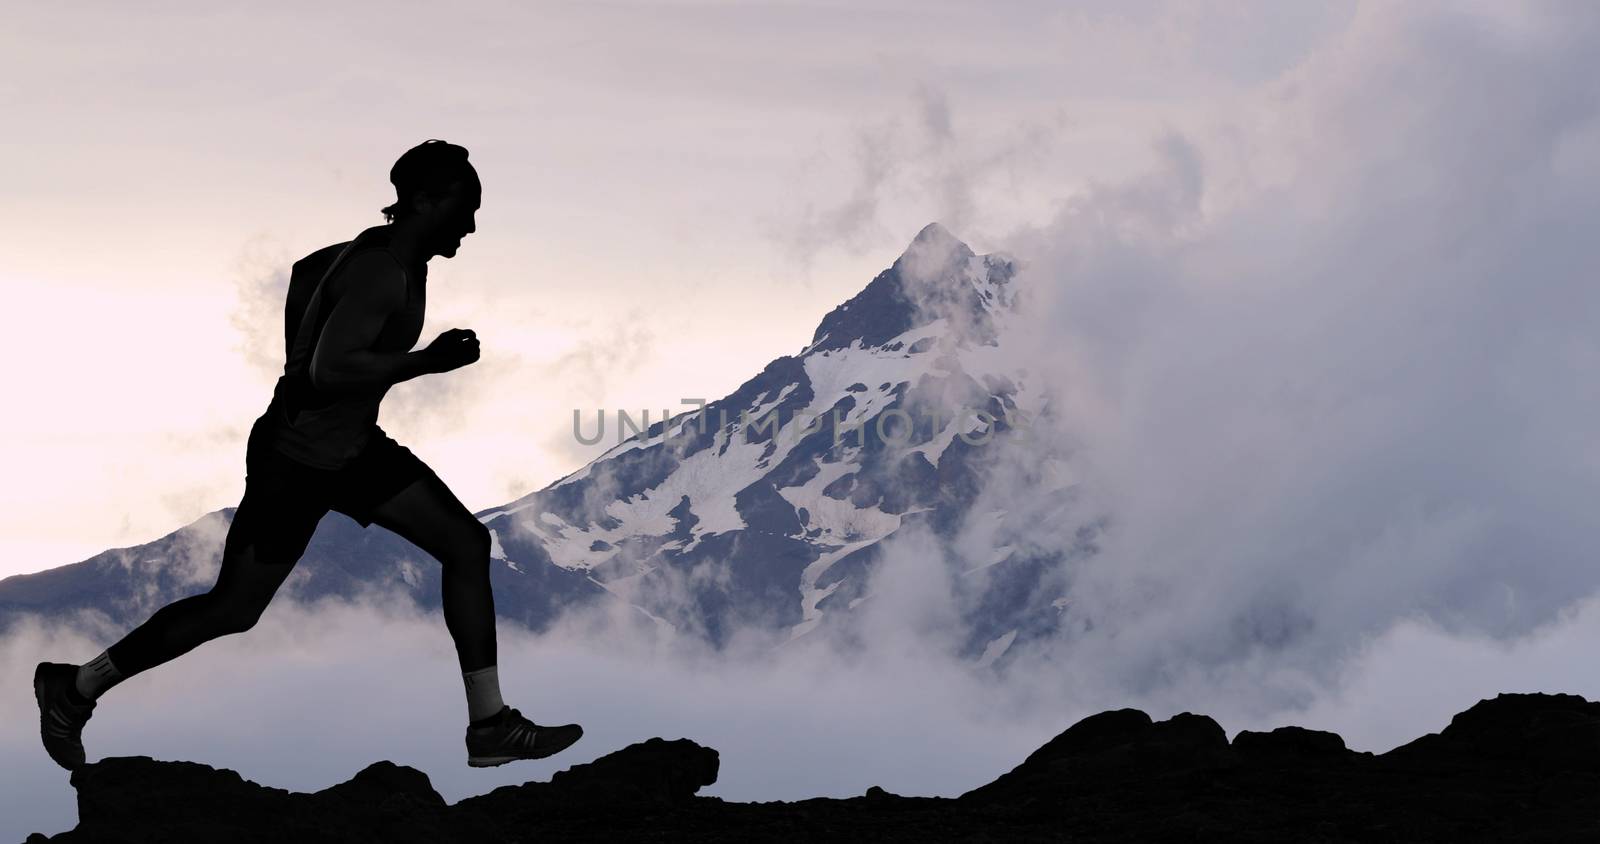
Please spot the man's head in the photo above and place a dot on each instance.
(436, 193)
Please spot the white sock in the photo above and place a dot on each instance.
(97, 675)
(483, 693)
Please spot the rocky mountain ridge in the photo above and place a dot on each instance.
(1520, 767)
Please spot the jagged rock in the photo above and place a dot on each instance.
(1555, 732)
(1292, 745)
(1519, 767)
(1110, 747)
(386, 787)
(654, 772)
(1092, 735)
(657, 770)
(138, 799)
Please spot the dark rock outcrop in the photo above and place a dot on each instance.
(1520, 767)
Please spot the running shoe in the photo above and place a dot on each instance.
(515, 737)
(61, 719)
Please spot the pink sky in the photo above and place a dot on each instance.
(674, 195)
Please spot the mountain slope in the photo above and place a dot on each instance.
(769, 507)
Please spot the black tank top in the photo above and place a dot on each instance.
(328, 429)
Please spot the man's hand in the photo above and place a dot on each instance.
(452, 350)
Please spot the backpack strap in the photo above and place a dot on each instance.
(305, 279)
(311, 303)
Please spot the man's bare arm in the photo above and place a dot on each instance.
(375, 288)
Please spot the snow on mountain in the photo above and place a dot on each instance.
(768, 506)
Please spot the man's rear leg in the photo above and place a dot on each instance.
(250, 575)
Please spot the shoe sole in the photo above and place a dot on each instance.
(38, 698)
(38, 687)
(492, 761)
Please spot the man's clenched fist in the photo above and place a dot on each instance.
(453, 349)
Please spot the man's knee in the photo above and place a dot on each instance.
(471, 546)
(481, 539)
(233, 615)
(240, 621)
(477, 543)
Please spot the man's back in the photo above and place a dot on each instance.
(326, 428)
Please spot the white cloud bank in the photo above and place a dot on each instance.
(315, 693)
(1353, 385)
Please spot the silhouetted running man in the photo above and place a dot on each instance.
(318, 447)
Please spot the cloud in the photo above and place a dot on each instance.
(935, 116)
(261, 278)
(960, 173)
(1349, 399)
(852, 223)
(330, 687)
(588, 369)
(1322, 372)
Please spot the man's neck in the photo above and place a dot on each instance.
(406, 243)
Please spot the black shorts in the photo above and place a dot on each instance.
(284, 499)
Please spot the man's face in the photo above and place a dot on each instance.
(454, 216)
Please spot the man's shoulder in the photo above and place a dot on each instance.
(373, 276)
(371, 237)
(366, 257)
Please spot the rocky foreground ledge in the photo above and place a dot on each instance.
(1521, 767)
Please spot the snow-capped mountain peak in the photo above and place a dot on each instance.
(766, 507)
(936, 277)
